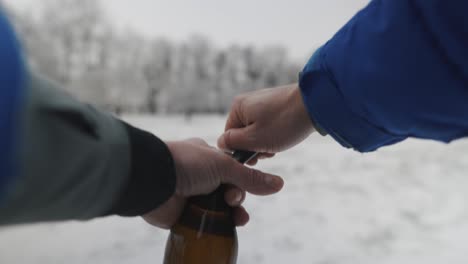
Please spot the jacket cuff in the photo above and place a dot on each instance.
(331, 114)
(152, 177)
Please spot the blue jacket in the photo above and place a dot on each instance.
(11, 82)
(398, 69)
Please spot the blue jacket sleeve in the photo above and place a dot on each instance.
(11, 82)
(398, 69)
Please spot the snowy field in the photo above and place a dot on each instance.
(404, 204)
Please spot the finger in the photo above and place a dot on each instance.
(235, 119)
(239, 138)
(234, 196)
(252, 162)
(241, 217)
(265, 155)
(251, 180)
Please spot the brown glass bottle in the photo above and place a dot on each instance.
(205, 233)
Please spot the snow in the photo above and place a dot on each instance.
(403, 204)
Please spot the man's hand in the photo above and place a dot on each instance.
(267, 121)
(200, 169)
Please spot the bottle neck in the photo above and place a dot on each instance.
(213, 202)
(209, 214)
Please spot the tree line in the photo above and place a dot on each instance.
(73, 43)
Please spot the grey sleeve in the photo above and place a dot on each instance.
(76, 162)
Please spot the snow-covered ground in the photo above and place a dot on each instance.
(404, 204)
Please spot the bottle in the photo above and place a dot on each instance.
(205, 232)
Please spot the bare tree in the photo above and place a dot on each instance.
(72, 42)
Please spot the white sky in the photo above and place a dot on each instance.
(299, 25)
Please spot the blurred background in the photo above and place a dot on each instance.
(173, 67)
(148, 56)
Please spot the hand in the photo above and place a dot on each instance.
(267, 121)
(200, 169)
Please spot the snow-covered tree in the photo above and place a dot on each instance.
(72, 42)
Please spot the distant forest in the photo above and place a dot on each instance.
(74, 44)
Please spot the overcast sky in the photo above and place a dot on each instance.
(299, 25)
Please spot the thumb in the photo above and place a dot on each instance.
(251, 180)
(239, 138)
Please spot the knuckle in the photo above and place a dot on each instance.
(226, 169)
(238, 105)
(238, 101)
(227, 139)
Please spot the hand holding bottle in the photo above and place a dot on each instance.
(200, 169)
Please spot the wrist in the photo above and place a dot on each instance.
(300, 109)
(172, 146)
(151, 179)
(305, 113)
